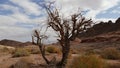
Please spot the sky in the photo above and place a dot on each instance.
(18, 18)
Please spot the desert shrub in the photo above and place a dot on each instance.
(93, 51)
(19, 52)
(73, 51)
(110, 53)
(52, 49)
(87, 61)
(33, 50)
(90, 52)
(5, 49)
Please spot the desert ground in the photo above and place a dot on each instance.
(30, 57)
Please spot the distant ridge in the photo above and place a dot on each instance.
(102, 32)
(102, 28)
(14, 43)
(108, 37)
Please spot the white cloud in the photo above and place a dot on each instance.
(8, 23)
(16, 33)
(20, 17)
(28, 6)
(9, 7)
(68, 7)
(9, 29)
(105, 5)
(7, 20)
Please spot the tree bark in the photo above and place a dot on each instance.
(43, 55)
(65, 52)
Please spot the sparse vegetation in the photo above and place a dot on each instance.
(6, 49)
(52, 49)
(33, 50)
(111, 53)
(73, 51)
(19, 52)
(87, 61)
(93, 51)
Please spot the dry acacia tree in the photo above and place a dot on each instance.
(66, 29)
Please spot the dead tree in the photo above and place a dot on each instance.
(67, 30)
(38, 37)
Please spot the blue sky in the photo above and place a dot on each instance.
(19, 17)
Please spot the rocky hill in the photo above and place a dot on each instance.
(102, 28)
(102, 32)
(108, 37)
(14, 43)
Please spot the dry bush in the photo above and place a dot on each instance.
(87, 61)
(33, 50)
(73, 51)
(93, 51)
(110, 53)
(19, 52)
(52, 49)
(6, 49)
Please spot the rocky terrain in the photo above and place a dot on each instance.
(14, 43)
(102, 28)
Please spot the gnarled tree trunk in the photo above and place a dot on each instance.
(65, 52)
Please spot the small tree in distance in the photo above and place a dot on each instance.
(66, 29)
